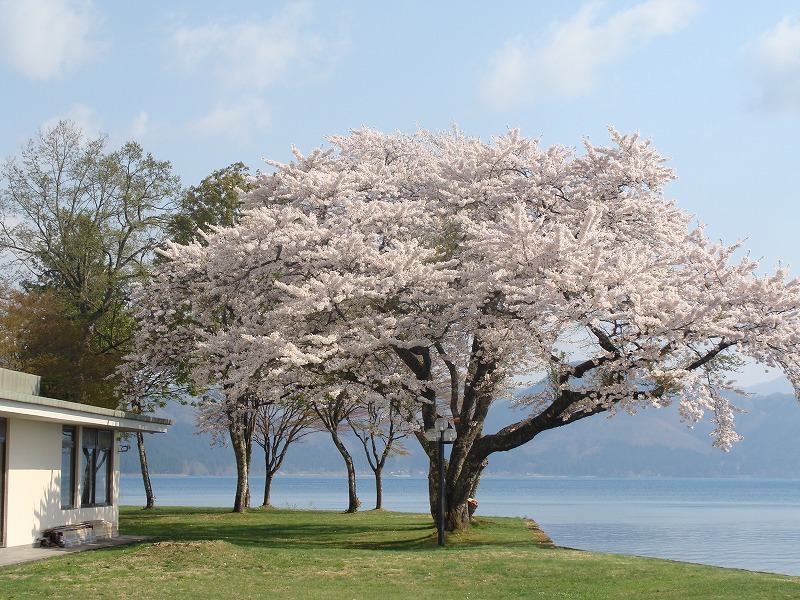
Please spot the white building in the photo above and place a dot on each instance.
(59, 461)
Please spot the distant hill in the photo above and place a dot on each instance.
(651, 443)
(184, 451)
(780, 385)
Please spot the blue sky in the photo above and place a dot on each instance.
(203, 84)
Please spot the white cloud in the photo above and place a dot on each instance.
(239, 62)
(775, 60)
(233, 120)
(92, 126)
(139, 125)
(250, 54)
(570, 63)
(83, 116)
(45, 39)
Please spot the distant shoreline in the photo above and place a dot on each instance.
(493, 476)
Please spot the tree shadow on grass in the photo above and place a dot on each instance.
(294, 529)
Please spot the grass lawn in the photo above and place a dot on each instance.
(213, 553)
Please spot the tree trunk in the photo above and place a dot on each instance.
(461, 484)
(242, 468)
(148, 488)
(433, 486)
(267, 487)
(457, 510)
(248, 441)
(474, 491)
(378, 489)
(352, 499)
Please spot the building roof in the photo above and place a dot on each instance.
(19, 397)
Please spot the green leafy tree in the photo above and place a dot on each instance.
(83, 223)
(214, 202)
(37, 337)
(80, 224)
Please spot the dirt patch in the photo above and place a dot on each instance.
(539, 537)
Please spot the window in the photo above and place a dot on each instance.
(68, 466)
(97, 445)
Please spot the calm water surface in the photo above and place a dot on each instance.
(749, 524)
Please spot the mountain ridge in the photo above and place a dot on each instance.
(653, 442)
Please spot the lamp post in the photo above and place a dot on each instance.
(443, 433)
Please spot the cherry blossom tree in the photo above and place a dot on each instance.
(236, 415)
(443, 266)
(184, 331)
(278, 426)
(380, 427)
(333, 411)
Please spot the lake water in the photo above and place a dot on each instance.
(749, 524)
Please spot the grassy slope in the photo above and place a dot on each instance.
(212, 553)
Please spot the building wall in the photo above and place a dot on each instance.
(33, 485)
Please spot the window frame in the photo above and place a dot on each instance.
(72, 467)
